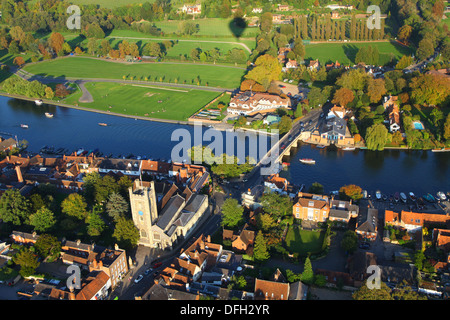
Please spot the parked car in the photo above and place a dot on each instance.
(139, 278)
(364, 245)
(157, 265)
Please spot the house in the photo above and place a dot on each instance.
(291, 64)
(390, 104)
(413, 221)
(311, 207)
(357, 266)
(335, 15)
(389, 101)
(282, 54)
(333, 65)
(342, 211)
(94, 287)
(275, 183)
(398, 274)
(367, 224)
(24, 237)
(248, 103)
(336, 111)
(314, 65)
(332, 131)
(271, 290)
(192, 9)
(257, 10)
(283, 7)
(113, 263)
(7, 144)
(250, 198)
(277, 18)
(159, 292)
(441, 239)
(78, 253)
(241, 240)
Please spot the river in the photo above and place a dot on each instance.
(389, 171)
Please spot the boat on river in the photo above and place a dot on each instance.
(38, 102)
(102, 124)
(412, 196)
(25, 126)
(403, 197)
(348, 148)
(428, 197)
(308, 161)
(49, 115)
(378, 195)
(441, 196)
(397, 197)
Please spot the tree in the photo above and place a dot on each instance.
(231, 213)
(404, 292)
(265, 222)
(447, 128)
(349, 241)
(43, 220)
(19, 61)
(116, 206)
(126, 233)
(267, 69)
(276, 204)
(343, 96)
(404, 33)
(260, 252)
(376, 137)
(285, 124)
(14, 207)
(266, 22)
(351, 191)
(49, 94)
(299, 49)
(430, 89)
(404, 62)
(56, 41)
(96, 225)
(364, 293)
(48, 246)
(27, 261)
(75, 206)
(376, 89)
(307, 276)
(188, 28)
(425, 49)
(153, 49)
(355, 79)
(316, 188)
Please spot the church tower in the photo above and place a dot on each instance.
(144, 209)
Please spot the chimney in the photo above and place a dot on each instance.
(19, 174)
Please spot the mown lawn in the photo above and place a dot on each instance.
(88, 68)
(144, 100)
(304, 241)
(345, 53)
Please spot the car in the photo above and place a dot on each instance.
(364, 245)
(282, 86)
(147, 272)
(139, 278)
(156, 265)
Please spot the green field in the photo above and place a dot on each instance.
(304, 241)
(345, 53)
(88, 68)
(144, 100)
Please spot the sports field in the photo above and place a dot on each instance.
(144, 100)
(345, 53)
(188, 73)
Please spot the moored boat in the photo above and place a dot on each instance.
(321, 146)
(25, 126)
(348, 148)
(429, 197)
(378, 194)
(412, 196)
(49, 115)
(308, 161)
(397, 197)
(403, 197)
(441, 196)
(38, 102)
(102, 124)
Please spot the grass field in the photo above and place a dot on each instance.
(345, 53)
(304, 241)
(144, 100)
(88, 68)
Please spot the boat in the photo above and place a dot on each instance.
(308, 161)
(25, 126)
(403, 197)
(396, 197)
(348, 148)
(321, 146)
(38, 102)
(378, 194)
(364, 193)
(441, 196)
(80, 151)
(102, 124)
(384, 197)
(440, 150)
(412, 196)
(429, 198)
(286, 164)
(49, 115)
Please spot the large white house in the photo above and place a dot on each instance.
(246, 103)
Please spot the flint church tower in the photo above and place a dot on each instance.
(144, 210)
